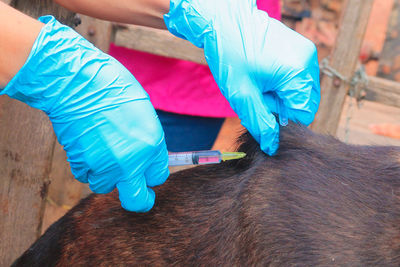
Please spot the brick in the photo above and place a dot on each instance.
(386, 69)
(396, 63)
(335, 6)
(394, 34)
(397, 77)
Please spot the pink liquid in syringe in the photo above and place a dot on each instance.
(209, 160)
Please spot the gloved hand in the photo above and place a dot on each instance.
(100, 114)
(256, 61)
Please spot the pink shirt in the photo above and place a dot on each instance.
(181, 86)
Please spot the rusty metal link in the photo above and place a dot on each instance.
(357, 83)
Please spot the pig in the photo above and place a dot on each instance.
(318, 202)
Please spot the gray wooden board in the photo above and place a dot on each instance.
(159, 42)
(98, 32)
(383, 91)
(344, 59)
(26, 149)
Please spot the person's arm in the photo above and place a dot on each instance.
(141, 12)
(261, 66)
(18, 33)
(100, 113)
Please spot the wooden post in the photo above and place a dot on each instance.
(344, 59)
(64, 189)
(26, 149)
(98, 32)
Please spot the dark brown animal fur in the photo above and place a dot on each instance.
(319, 202)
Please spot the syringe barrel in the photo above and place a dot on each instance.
(194, 157)
(180, 158)
(207, 157)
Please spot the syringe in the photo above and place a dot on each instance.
(202, 157)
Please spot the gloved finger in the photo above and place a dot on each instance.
(253, 3)
(302, 99)
(135, 195)
(295, 115)
(248, 103)
(296, 82)
(100, 183)
(79, 170)
(298, 104)
(270, 100)
(275, 104)
(158, 172)
(300, 89)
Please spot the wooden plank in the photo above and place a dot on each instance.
(64, 189)
(383, 91)
(26, 149)
(357, 130)
(159, 42)
(37, 8)
(344, 59)
(97, 31)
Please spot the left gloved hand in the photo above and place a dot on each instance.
(256, 60)
(100, 114)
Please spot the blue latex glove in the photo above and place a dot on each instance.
(256, 61)
(100, 114)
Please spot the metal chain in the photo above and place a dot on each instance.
(329, 71)
(357, 83)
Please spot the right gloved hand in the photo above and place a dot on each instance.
(260, 65)
(100, 114)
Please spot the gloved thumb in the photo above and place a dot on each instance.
(158, 172)
(135, 195)
(247, 101)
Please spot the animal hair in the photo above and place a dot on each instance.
(318, 202)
